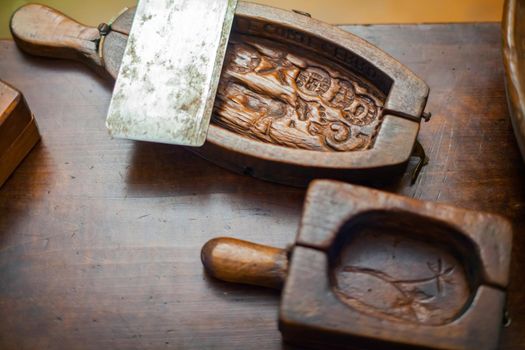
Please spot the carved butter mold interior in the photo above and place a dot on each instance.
(403, 267)
(292, 97)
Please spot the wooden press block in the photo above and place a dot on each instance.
(373, 270)
(18, 130)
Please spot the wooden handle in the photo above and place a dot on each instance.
(233, 260)
(43, 31)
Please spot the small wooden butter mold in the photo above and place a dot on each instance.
(18, 130)
(298, 99)
(372, 270)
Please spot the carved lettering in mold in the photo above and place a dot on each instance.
(270, 93)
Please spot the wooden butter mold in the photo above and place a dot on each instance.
(18, 130)
(513, 29)
(371, 270)
(298, 99)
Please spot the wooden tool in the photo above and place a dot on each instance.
(18, 130)
(298, 99)
(372, 270)
(514, 58)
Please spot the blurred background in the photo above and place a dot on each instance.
(94, 12)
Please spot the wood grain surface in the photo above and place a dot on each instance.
(100, 239)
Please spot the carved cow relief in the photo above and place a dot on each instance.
(276, 94)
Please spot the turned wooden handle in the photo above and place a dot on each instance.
(233, 260)
(43, 31)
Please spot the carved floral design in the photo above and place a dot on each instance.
(415, 300)
(271, 94)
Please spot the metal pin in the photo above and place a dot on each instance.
(303, 13)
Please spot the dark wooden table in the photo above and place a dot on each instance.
(100, 238)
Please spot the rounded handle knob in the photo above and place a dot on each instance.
(238, 261)
(42, 31)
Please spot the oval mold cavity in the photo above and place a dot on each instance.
(404, 267)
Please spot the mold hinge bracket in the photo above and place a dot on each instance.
(420, 153)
